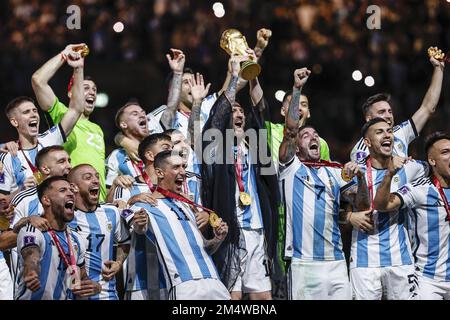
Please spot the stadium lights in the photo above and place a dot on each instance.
(102, 100)
(357, 75)
(118, 27)
(217, 6)
(369, 81)
(219, 13)
(279, 95)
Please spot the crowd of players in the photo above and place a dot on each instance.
(206, 198)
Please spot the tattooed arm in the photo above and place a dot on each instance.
(384, 199)
(177, 66)
(220, 233)
(32, 267)
(288, 145)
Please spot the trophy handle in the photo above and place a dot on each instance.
(250, 70)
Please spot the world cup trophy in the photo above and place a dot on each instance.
(233, 42)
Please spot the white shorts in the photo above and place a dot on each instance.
(137, 295)
(430, 289)
(318, 280)
(200, 289)
(6, 285)
(255, 274)
(392, 283)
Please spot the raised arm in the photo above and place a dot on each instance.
(176, 65)
(431, 99)
(39, 81)
(199, 92)
(77, 100)
(384, 199)
(288, 145)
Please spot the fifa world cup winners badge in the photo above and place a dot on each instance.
(73, 277)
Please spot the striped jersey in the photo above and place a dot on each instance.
(138, 271)
(388, 244)
(193, 183)
(100, 230)
(119, 163)
(311, 197)
(181, 119)
(11, 176)
(180, 245)
(18, 168)
(432, 246)
(52, 275)
(404, 134)
(248, 217)
(26, 204)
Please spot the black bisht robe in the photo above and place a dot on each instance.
(219, 187)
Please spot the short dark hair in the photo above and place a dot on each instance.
(370, 123)
(47, 183)
(42, 154)
(161, 158)
(374, 99)
(305, 127)
(434, 137)
(150, 141)
(120, 112)
(287, 94)
(74, 171)
(16, 102)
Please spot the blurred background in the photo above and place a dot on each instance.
(129, 39)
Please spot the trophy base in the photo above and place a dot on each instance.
(250, 70)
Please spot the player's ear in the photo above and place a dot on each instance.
(45, 200)
(431, 162)
(13, 122)
(367, 142)
(45, 170)
(159, 173)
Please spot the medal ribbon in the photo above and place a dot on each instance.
(370, 181)
(139, 167)
(437, 184)
(61, 251)
(238, 166)
(322, 163)
(172, 195)
(32, 166)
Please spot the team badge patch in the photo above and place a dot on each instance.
(29, 240)
(126, 213)
(404, 190)
(360, 155)
(109, 226)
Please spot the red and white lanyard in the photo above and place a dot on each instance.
(239, 169)
(370, 181)
(437, 184)
(140, 169)
(72, 263)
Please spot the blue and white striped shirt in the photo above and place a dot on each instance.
(312, 197)
(52, 276)
(180, 245)
(100, 229)
(117, 164)
(139, 272)
(388, 244)
(431, 249)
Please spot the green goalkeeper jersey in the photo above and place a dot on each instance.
(85, 144)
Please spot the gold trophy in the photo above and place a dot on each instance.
(83, 48)
(233, 42)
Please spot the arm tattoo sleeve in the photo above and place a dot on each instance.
(173, 100)
(194, 123)
(230, 93)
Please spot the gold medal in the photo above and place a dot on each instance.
(245, 198)
(345, 176)
(39, 177)
(73, 277)
(214, 219)
(83, 48)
